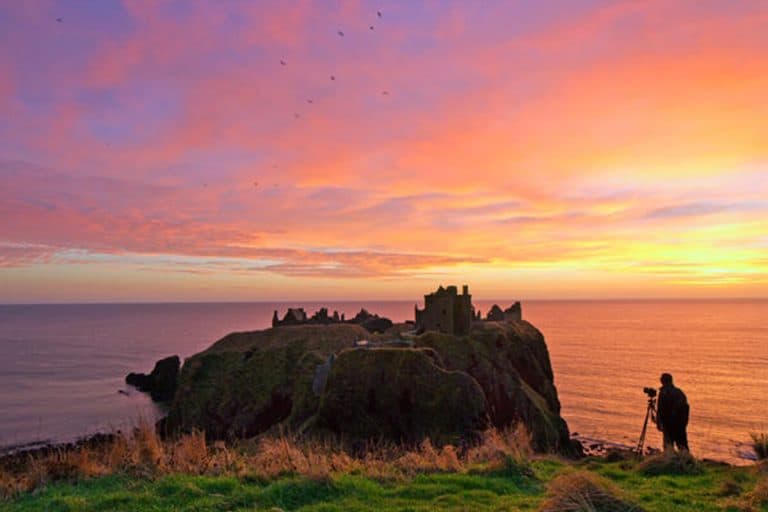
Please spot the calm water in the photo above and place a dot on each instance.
(61, 366)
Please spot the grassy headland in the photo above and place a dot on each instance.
(143, 472)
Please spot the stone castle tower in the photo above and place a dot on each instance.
(446, 311)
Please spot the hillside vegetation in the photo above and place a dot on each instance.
(144, 473)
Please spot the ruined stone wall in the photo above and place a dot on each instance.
(462, 315)
(438, 313)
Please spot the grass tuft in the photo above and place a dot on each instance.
(758, 497)
(585, 492)
(671, 463)
(729, 488)
(760, 444)
(498, 446)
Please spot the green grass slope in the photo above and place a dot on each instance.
(713, 488)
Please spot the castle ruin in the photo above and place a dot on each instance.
(446, 311)
(297, 316)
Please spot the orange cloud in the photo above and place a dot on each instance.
(600, 143)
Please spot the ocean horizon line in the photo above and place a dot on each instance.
(340, 301)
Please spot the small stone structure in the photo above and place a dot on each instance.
(294, 316)
(446, 311)
(513, 313)
(297, 316)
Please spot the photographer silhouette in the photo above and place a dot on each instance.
(672, 414)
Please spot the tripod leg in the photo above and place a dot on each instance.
(641, 442)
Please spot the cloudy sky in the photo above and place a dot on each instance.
(238, 150)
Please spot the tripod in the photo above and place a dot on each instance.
(650, 413)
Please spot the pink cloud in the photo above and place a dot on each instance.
(177, 136)
(21, 255)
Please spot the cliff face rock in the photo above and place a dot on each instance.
(313, 379)
(510, 362)
(248, 382)
(161, 382)
(402, 394)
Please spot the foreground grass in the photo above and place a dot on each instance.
(142, 472)
(346, 492)
(711, 488)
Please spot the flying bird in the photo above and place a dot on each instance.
(385, 93)
(310, 101)
(296, 115)
(333, 77)
(59, 20)
(378, 13)
(340, 33)
(370, 28)
(282, 62)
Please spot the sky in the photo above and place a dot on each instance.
(234, 150)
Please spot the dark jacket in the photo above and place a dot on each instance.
(672, 408)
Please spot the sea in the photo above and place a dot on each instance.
(63, 367)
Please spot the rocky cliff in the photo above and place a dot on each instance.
(401, 394)
(314, 379)
(510, 362)
(161, 382)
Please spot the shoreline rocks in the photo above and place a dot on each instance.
(161, 382)
(13, 458)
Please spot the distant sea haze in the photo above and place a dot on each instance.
(62, 366)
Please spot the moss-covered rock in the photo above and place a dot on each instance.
(400, 394)
(246, 383)
(510, 362)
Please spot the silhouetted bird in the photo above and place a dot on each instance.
(282, 62)
(340, 33)
(385, 93)
(378, 13)
(296, 115)
(310, 101)
(333, 77)
(59, 20)
(370, 28)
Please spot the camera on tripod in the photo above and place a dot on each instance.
(650, 414)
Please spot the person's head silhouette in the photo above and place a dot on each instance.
(666, 379)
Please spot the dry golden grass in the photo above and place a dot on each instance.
(760, 444)
(144, 454)
(585, 492)
(499, 446)
(759, 495)
(752, 501)
(670, 463)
